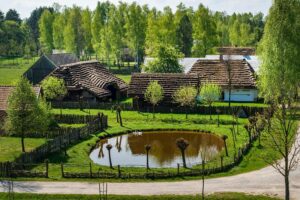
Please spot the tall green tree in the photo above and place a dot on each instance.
(58, 34)
(279, 79)
(25, 115)
(87, 31)
(13, 15)
(135, 30)
(204, 32)
(184, 35)
(73, 32)
(46, 31)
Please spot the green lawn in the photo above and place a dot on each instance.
(12, 69)
(10, 147)
(217, 196)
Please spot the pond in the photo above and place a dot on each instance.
(129, 150)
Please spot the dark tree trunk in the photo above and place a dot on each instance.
(153, 111)
(22, 142)
(210, 112)
(183, 158)
(186, 112)
(225, 145)
(120, 118)
(148, 160)
(110, 163)
(287, 184)
(203, 178)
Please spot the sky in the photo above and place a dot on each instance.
(24, 7)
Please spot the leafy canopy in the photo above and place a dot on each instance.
(210, 93)
(154, 93)
(185, 96)
(26, 114)
(165, 61)
(54, 88)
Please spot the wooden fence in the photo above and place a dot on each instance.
(248, 110)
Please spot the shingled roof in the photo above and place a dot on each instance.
(245, 51)
(91, 76)
(216, 71)
(5, 91)
(169, 82)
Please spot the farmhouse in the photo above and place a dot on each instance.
(90, 81)
(46, 64)
(169, 82)
(229, 69)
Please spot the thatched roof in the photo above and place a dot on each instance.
(169, 82)
(216, 71)
(5, 91)
(91, 76)
(246, 51)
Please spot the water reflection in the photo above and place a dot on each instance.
(129, 150)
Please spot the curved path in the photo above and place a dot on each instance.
(264, 181)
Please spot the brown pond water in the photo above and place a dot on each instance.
(129, 150)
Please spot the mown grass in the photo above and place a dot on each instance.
(125, 78)
(12, 69)
(10, 147)
(216, 196)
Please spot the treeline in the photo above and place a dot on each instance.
(133, 31)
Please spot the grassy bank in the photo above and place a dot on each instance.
(217, 196)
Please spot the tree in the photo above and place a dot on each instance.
(204, 32)
(87, 31)
(73, 32)
(25, 115)
(154, 94)
(135, 26)
(46, 31)
(182, 144)
(210, 93)
(13, 15)
(119, 116)
(54, 88)
(186, 97)
(184, 35)
(165, 61)
(224, 138)
(283, 140)
(147, 148)
(32, 22)
(279, 80)
(58, 34)
(109, 147)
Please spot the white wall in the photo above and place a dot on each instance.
(245, 95)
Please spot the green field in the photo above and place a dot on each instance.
(10, 147)
(217, 196)
(12, 69)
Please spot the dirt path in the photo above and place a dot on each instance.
(264, 181)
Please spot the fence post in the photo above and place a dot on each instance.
(47, 168)
(119, 171)
(91, 172)
(62, 170)
(178, 167)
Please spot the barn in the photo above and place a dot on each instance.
(170, 82)
(90, 81)
(46, 64)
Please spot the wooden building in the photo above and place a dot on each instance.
(47, 64)
(170, 82)
(90, 81)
